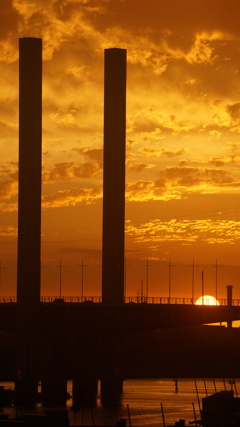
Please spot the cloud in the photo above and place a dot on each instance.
(58, 23)
(138, 167)
(153, 152)
(155, 123)
(61, 171)
(87, 170)
(170, 17)
(70, 170)
(186, 232)
(232, 159)
(10, 19)
(72, 197)
(193, 177)
(95, 154)
(130, 144)
(139, 191)
(218, 162)
(154, 36)
(8, 207)
(8, 183)
(8, 231)
(234, 111)
(179, 182)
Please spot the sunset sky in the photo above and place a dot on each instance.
(183, 140)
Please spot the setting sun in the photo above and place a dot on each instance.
(207, 300)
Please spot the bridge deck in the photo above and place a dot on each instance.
(88, 317)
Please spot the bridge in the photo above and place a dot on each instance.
(90, 315)
(81, 339)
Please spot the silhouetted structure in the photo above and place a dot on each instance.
(229, 302)
(114, 176)
(29, 210)
(113, 205)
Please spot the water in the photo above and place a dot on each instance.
(144, 399)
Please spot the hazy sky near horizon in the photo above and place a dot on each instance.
(183, 135)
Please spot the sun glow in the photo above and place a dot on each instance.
(207, 300)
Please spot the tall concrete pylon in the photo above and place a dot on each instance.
(114, 175)
(29, 211)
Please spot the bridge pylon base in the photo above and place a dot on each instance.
(84, 391)
(111, 369)
(111, 386)
(84, 372)
(54, 376)
(26, 392)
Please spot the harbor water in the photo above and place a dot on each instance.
(142, 400)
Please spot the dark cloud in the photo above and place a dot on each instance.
(234, 111)
(61, 171)
(86, 170)
(64, 10)
(171, 153)
(137, 167)
(69, 170)
(152, 152)
(130, 143)
(139, 186)
(95, 154)
(180, 182)
(8, 183)
(7, 189)
(217, 162)
(9, 19)
(189, 177)
(176, 20)
(72, 197)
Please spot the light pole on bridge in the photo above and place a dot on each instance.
(147, 265)
(202, 287)
(193, 265)
(125, 278)
(82, 277)
(216, 282)
(169, 265)
(60, 277)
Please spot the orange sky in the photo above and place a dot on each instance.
(183, 143)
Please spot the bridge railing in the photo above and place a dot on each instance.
(8, 299)
(178, 300)
(128, 300)
(57, 299)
